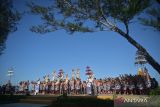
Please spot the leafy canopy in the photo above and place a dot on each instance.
(86, 15)
(9, 18)
(154, 17)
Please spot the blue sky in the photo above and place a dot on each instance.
(108, 54)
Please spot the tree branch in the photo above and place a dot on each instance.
(148, 57)
(127, 27)
(108, 23)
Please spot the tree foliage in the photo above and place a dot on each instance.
(8, 21)
(90, 16)
(80, 15)
(154, 17)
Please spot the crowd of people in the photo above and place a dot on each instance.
(138, 84)
(8, 89)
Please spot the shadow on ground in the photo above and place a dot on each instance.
(58, 101)
(81, 101)
(6, 99)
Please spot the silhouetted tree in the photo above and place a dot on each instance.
(91, 16)
(154, 17)
(8, 21)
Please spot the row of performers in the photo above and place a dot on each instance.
(126, 84)
(56, 87)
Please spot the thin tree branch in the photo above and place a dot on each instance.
(107, 20)
(107, 24)
(127, 27)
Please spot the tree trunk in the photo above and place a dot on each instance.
(148, 57)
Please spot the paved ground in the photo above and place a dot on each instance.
(22, 105)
